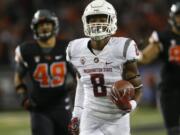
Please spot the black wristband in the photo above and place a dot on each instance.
(21, 86)
(133, 77)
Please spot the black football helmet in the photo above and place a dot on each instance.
(41, 16)
(175, 10)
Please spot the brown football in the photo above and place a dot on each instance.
(124, 88)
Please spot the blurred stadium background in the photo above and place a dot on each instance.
(136, 19)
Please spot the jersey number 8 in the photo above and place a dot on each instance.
(97, 81)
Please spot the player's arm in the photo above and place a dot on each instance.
(130, 69)
(131, 74)
(70, 83)
(78, 108)
(79, 99)
(79, 96)
(20, 71)
(126, 102)
(151, 51)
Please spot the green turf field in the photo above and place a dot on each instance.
(145, 121)
(14, 123)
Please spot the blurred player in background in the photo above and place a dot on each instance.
(100, 61)
(44, 59)
(166, 45)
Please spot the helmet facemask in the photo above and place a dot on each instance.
(46, 32)
(99, 30)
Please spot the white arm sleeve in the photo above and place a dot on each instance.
(18, 57)
(79, 99)
(68, 52)
(79, 96)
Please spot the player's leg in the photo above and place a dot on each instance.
(168, 102)
(41, 124)
(61, 116)
(117, 127)
(107, 130)
(90, 125)
(93, 126)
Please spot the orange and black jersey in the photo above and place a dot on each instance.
(48, 71)
(170, 55)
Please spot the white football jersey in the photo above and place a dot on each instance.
(99, 72)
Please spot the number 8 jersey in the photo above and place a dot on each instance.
(99, 72)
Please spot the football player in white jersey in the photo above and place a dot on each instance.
(101, 60)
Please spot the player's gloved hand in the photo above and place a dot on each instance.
(122, 100)
(23, 98)
(25, 101)
(28, 104)
(74, 126)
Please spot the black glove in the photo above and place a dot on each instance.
(25, 101)
(23, 97)
(28, 104)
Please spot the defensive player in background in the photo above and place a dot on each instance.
(44, 59)
(166, 45)
(100, 61)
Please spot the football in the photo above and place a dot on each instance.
(121, 93)
(124, 88)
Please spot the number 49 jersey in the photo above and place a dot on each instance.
(99, 72)
(48, 71)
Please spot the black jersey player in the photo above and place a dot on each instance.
(45, 61)
(166, 45)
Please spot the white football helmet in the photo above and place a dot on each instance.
(100, 30)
